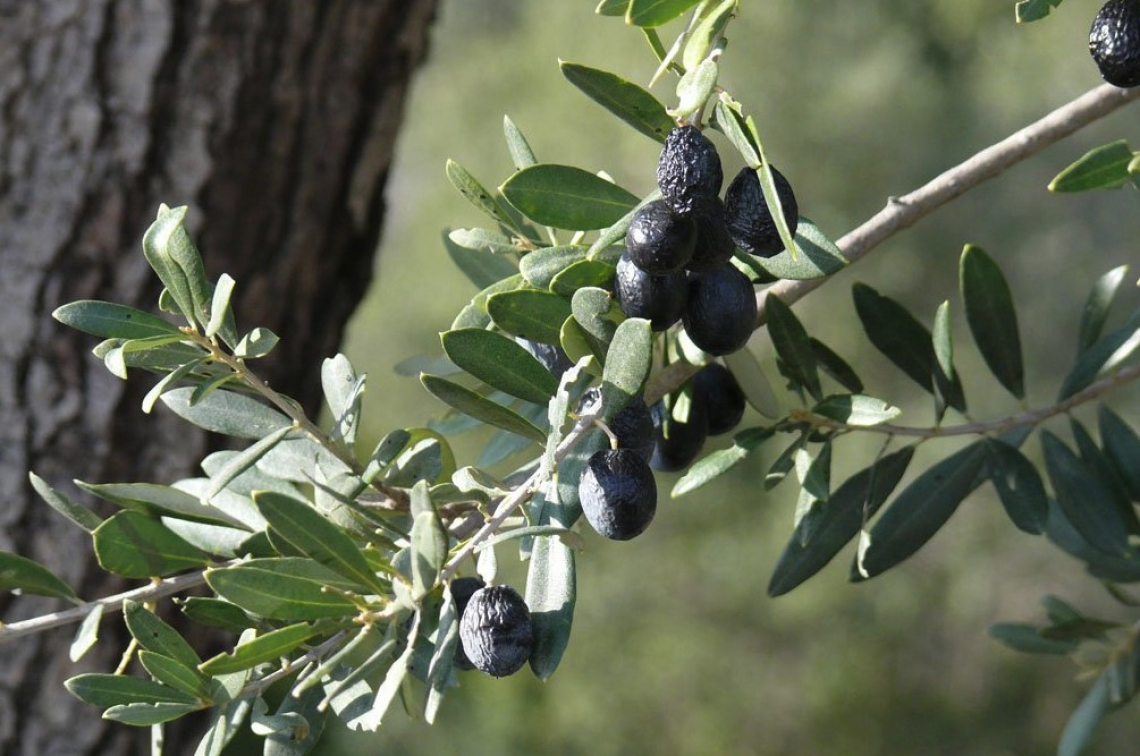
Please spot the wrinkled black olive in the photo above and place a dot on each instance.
(748, 217)
(659, 240)
(1114, 42)
(689, 169)
(722, 397)
(721, 311)
(618, 493)
(496, 630)
(660, 299)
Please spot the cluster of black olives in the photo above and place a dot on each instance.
(1114, 42)
(677, 267)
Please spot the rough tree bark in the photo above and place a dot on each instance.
(275, 122)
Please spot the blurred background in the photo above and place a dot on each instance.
(676, 647)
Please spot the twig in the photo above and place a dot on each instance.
(1032, 417)
(902, 212)
(167, 587)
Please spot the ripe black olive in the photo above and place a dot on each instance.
(678, 444)
(721, 311)
(659, 240)
(618, 493)
(660, 299)
(689, 169)
(1114, 42)
(748, 217)
(496, 630)
(722, 397)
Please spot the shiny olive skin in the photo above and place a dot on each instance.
(1114, 42)
(722, 397)
(659, 240)
(618, 494)
(714, 245)
(748, 217)
(721, 313)
(660, 299)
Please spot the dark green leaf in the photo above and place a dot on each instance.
(1122, 447)
(1085, 499)
(475, 193)
(818, 256)
(612, 7)
(1118, 569)
(541, 266)
(288, 588)
(551, 592)
(148, 715)
(113, 321)
(159, 500)
(566, 197)
(264, 648)
(100, 689)
(468, 402)
(176, 674)
(651, 13)
(583, 274)
(900, 337)
(598, 315)
(1102, 467)
(627, 365)
(728, 118)
(312, 534)
(77, 513)
(1098, 305)
(835, 366)
(216, 613)
(992, 317)
(920, 511)
(1018, 486)
(156, 636)
(482, 268)
(856, 409)
(1079, 729)
(134, 545)
(1035, 10)
(529, 313)
(1105, 167)
(1024, 637)
(28, 576)
(847, 509)
(628, 101)
(792, 346)
(227, 413)
(500, 363)
(1106, 353)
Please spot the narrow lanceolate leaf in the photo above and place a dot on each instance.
(847, 509)
(99, 689)
(1018, 485)
(628, 101)
(1105, 167)
(481, 266)
(134, 545)
(87, 635)
(429, 551)
(28, 576)
(1086, 500)
(1111, 350)
(563, 196)
(541, 266)
(992, 317)
(312, 534)
(709, 468)
(652, 13)
(521, 153)
(907, 343)
(227, 413)
(288, 588)
(161, 501)
(148, 715)
(1021, 636)
(153, 634)
(176, 674)
(475, 193)
(793, 346)
(835, 366)
(264, 648)
(856, 409)
(500, 363)
(1122, 447)
(704, 37)
(1102, 467)
(529, 313)
(920, 511)
(220, 305)
(551, 592)
(753, 382)
(627, 365)
(113, 321)
(945, 376)
(242, 462)
(440, 670)
(77, 513)
(1083, 721)
(1098, 305)
(470, 403)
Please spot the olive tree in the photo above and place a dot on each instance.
(352, 578)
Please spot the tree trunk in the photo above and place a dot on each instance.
(274, 120)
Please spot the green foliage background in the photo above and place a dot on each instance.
(676, 647)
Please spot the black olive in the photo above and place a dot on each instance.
(689, 169)
(618, 493)
(496, 631)
(748, 217)
(659, 298)
(721, 396)
(721, 312)
(1114, 42)
(659, 240)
